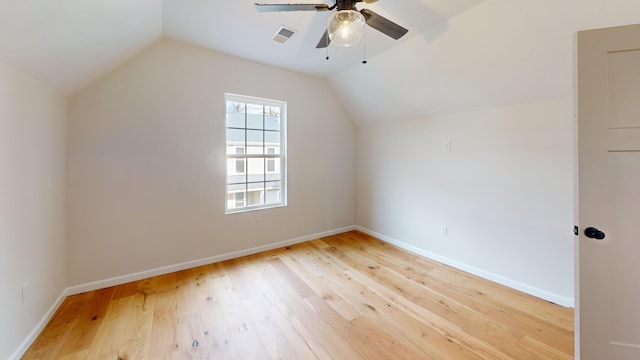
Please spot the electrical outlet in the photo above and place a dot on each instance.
(444, 231)
(25, 292)
(257, 221)
(446, 146)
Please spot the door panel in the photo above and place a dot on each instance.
(623, 258)
(608, 105)
(623, 70)
(623, 77)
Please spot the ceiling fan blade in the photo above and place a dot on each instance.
(291, 7)
(324, 41)
(383, 24)
(369, 1)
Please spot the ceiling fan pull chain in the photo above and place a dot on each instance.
(364, 53)
(364, 48)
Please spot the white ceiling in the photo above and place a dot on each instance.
(71, 43)
(498, 53)
(237, 28)
(459, 55)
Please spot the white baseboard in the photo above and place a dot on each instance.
(101, 284)
(543, 294)
(33, 335)
(531, 290)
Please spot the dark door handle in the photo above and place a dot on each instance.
(594, 233)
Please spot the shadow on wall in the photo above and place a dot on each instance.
(418, 17)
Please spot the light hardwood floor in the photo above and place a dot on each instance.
(348, 296)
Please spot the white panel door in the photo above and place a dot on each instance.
(608, 105)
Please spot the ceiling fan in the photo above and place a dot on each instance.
(345, 26)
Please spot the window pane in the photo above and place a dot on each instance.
(272, 195)
(239, 166)
(235, 114)
(235, 168)
(236, 187)
(236, 106)
(235, 138)
(272, 138)
(271, 163)
(255, 149)
(256, 170)
(256, 197)
(272, 185)
(272, 122)
(255, 109)
(273, 176)
(236, 196)
(255, 121)
(240, 201)
(255, 139)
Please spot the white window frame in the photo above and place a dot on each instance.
(280, 157)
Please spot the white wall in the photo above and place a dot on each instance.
(32, 209)
(147, 171)
(504, 191)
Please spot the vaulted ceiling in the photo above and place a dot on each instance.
(460, 55)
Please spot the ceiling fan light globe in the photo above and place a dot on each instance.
(346, 27)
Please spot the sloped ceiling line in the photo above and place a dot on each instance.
(69, 44)
(459, 55)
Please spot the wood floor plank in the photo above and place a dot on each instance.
(385, 339)
(346, 296)
(164, 339)
(78, 355)
(214, 319)
(191, 341)
(139, 325)
(273, 337)
(359, 341)
(58, 328)
(111, 335)
(125, 290)
(83, 333)
(191, 335)
(243, 333)
(324, 338)
(320, 288)
(292, 280)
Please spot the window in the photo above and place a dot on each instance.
(256, 156)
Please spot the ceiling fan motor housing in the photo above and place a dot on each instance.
(347, 4)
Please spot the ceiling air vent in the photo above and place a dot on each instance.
(283, 34)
